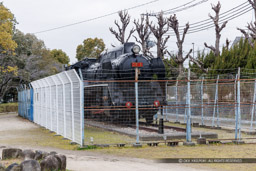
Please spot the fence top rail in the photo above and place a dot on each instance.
(195, 80)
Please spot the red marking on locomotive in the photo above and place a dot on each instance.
(156, 103)
(137, 64)
(128, 104)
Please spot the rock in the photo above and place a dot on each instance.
(53, 153)
(59, 160)
(49, 163)
(38, 155)
(12, 166)
(28, 155)
(2, 168)
(45, 154)
(30, 165)
(9, 153)
(16, 168)
(63, 161)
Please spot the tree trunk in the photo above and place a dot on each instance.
(180, 68)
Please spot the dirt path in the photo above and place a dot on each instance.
(18, 132)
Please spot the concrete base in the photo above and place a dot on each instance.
(137, 145)
(102, 145)
(51, 131)
(64, 139)
(189, 143)
(201, 140)
(120, 145)
(238, 142)
(73, 143)
(214, 141)
(57, 135)
(153, 144)
(173, 143)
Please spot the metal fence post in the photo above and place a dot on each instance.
(202, 101)
(239, 105)
(137, 105)
(215, 102)
(176, 98)
(253, 105)
(82, 105)
(165, 108)
(235, 96)
(188, 129)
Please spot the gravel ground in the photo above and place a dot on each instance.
(18, 132)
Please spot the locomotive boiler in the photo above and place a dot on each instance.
(109, 84)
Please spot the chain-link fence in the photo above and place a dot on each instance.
(109, 111)
(225, 100)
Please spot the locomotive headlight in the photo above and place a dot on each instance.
(136, 49)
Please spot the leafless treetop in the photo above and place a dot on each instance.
(120, 34)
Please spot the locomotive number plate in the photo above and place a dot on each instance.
(137, 64)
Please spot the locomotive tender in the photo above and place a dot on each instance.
(109, 84)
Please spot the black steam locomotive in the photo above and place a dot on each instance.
(109, 84)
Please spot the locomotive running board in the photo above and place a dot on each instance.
(96, 85)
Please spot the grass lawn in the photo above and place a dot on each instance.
(199, 151)
(8, 107)
(101, 136)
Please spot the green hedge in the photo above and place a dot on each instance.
(8, 107)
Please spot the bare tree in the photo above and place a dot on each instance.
(179, 58)
(143, 31)
(218, 29)
(252, 36)
(253, 4)
(251, 26)
(159, 30)
(120, 34)
(227, 43)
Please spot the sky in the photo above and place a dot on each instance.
(38, 15)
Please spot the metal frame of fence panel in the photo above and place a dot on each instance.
(54, 106)
(202, 101)
(58, 104)
(61, 106)
(36, 99)
(77, 105)
(215, 102)
(31, 103)
(253, 106)
(68, 108)
(47, 103)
